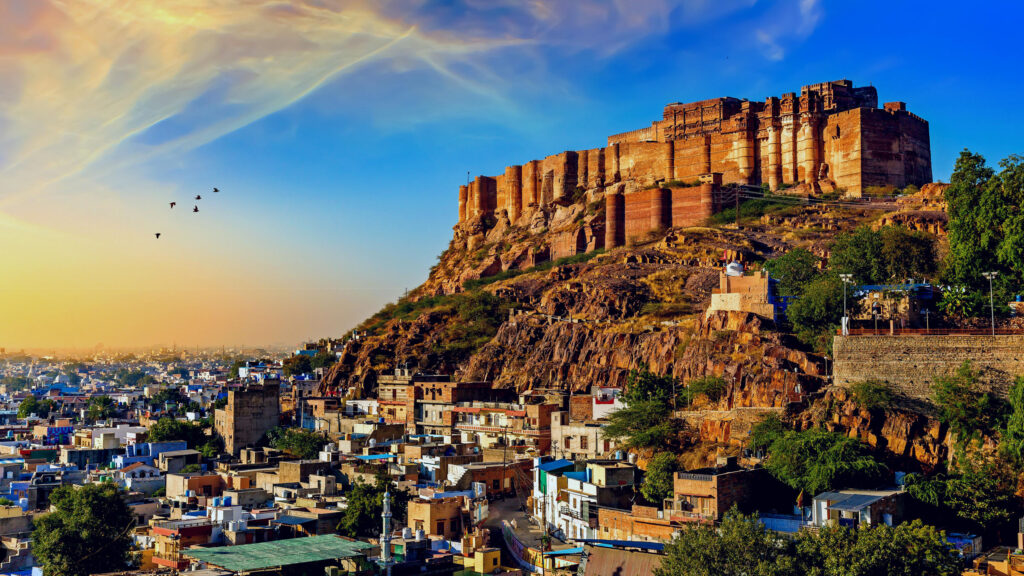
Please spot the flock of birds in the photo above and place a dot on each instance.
(195, 207)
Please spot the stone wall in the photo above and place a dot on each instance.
(909, 364)
(830, 131)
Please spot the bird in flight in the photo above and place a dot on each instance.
(198, 197)
(195, 208)
(157, 235)
(216, 190)
(173, 204)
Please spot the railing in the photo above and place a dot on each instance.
(932, 332)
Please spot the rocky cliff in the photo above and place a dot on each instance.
(497, 308)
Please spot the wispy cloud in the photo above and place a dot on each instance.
(792, 22)
(90, 84)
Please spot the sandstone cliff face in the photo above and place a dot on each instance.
(590, 319)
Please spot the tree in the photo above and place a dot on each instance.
(133, 378)
(910, 549)
(658, 480)
(365, 505)
(889, 254)
(168, 395)
(766, 431)
(980, 493)
(964, 407)
(297, 441)
(710, 387)
(323, 359)
(1011, 442)
(642, 425)
(817, 313)
(794, 270)
(642, 385)
(190, 468)
(872, 395)
(41, 408)
(88, 532)
(100, 408)
(817, 460)
(741, 546)
(296, 365)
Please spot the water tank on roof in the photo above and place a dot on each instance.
(420, 535)
(407, 533)
(227, 500)
(734, 269)
(632, 458)
(618, 455)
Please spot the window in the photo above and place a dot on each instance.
(440, 527)
(583, 442)
(495, 484)
(607, 446)
(567, 442)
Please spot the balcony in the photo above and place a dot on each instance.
(589, 518)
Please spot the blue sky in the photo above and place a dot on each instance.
(340, 131)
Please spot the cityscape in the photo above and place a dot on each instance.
(701, 305)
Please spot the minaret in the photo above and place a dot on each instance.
(385, 537)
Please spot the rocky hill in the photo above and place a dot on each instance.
(493, 310)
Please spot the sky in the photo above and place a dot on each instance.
(338, 132)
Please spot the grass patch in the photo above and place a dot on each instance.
(751, 209)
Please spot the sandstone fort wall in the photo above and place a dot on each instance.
(909, 364)
(831, 129)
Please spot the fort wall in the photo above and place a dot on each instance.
(909, 364)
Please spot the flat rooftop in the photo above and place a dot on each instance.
(263, 555)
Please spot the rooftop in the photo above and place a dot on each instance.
(263, 555)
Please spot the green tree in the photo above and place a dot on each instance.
(190, 468)
(658, 479)
(41, 408)
(710, 387)
(168, 395)
(1011, 441)
(794, 270)
(979, 492)
(963, 406)
(817, 460)
(365, 504)
(817, 313)
(741, 546)
(88, 532)
(642, 425)
(100, 408)
(910, 549)
(889, 254)
(296, 365)
(872, 395)
(642, 385)
(296, 441)
(766, 431)
(167, 429)
(323, 359)
(133, 378)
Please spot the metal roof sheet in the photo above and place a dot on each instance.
(249, 557)
(855, 502)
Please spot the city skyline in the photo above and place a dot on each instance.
(338, 132)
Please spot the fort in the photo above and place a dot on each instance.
(830, 135)
(831, 138)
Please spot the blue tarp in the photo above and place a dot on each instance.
(293, 520)
(656, 546)
(555, 465)
(581, 475)
(374, 456)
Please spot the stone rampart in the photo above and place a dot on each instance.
(909, 364)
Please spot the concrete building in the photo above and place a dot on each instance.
(249, 414)
(854, 507)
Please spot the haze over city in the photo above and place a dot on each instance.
(338, 133)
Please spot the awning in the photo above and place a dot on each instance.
(293, 520)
